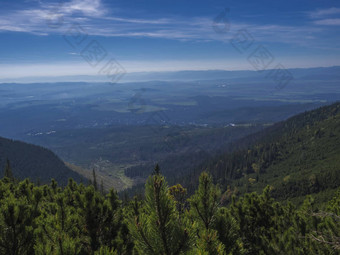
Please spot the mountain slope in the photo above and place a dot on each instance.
(296, 157)
(34, 162)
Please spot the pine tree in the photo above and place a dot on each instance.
(17, 219)
(156, 227)
(59, 230)
(92, 215)
(205, 201)
(102, 187)
(157, 170)
(227, 229)
(94, 179)
(178, 194)
(208, 243)
(8, 170)
(256, 216)
(204, 207)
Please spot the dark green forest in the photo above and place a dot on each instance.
(34, 162)
(80, 219)
(296, 157)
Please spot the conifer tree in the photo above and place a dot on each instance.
(256, 216)
(325, 227)
(178, 194)
(157, 170)
(17, 220)
(205, 202)
(59, 229)
(95, 184)
(227, 229)
(208, 243)
(156, 227)
(8, 170)
(102, 187)
(204, 207)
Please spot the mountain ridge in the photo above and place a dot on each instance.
(34, 162)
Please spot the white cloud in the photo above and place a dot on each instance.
(92, 8)
(95, 20)
(328, 22)
(36, 20)
(141, 21)
(325, 12)
(326, 17)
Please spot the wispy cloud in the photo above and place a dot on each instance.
(141, 21)
(328, 22)
(91, 8)
(326, 17)
(97, 20)
(35, 20)
(325, 12)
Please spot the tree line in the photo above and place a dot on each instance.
(79, 219)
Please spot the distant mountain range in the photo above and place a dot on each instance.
(189, 75)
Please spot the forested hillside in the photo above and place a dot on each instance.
(34, 162)
(296, 157)
(289, 160)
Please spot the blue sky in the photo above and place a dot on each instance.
(163, 35)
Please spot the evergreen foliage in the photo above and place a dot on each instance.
(156, 226)
(77, 219)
